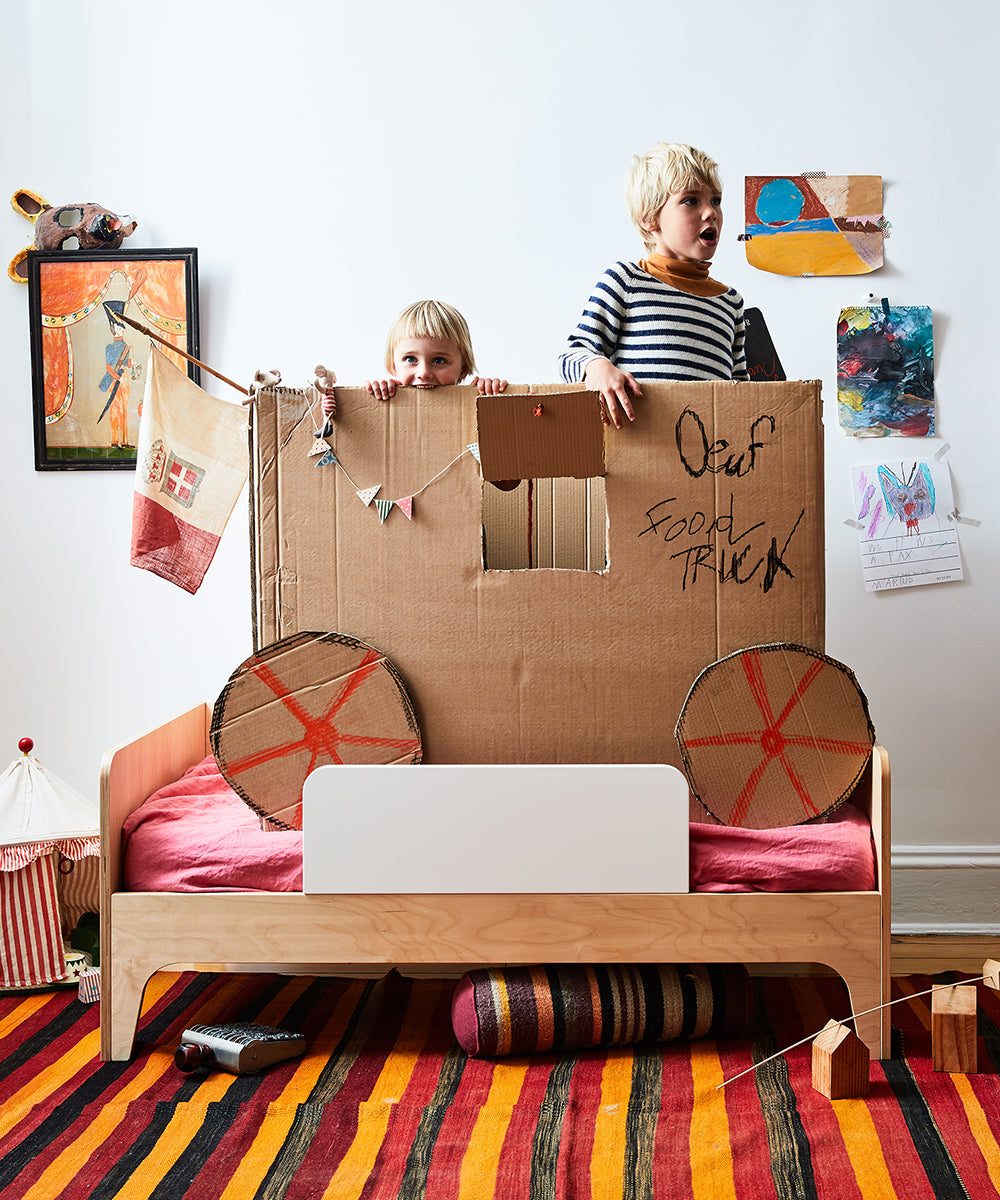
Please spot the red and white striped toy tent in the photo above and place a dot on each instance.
(49, 856)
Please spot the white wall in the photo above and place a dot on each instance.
(332, 162)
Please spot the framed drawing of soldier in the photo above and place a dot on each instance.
(88, 365)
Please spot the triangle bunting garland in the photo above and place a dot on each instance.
(367, 495)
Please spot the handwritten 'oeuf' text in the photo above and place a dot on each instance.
(730, 548)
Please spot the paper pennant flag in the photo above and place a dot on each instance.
(406, 505)
(474, 447)
(320, 447)
(329, 459)
(368, 494)
(383, 507)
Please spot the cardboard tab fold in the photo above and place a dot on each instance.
(541, 437)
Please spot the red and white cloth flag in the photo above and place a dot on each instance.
(190, 469)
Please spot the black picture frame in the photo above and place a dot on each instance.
(88, 368)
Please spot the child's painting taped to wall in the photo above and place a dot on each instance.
(885, 371)
(815, 225)
(903, 512)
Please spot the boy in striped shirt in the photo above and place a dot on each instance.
(664, 317)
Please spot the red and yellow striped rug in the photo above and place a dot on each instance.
(385, 1104)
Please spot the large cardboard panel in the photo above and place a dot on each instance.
(715, 542)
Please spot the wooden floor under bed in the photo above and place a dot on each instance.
(144, 932)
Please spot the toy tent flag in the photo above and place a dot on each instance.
(49, 835)
(191, 467)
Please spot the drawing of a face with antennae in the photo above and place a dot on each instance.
(911, 500)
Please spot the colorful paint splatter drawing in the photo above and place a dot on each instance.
(885, 371)
(816, 225)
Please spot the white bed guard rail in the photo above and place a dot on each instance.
(508, 828)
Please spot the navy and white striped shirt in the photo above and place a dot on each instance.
(656, 332)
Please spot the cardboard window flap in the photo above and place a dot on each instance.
(534, 437)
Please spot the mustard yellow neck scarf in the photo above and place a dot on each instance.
(690, 277)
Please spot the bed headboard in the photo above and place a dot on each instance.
(714, 543)
(133, 771)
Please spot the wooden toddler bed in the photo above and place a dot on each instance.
(143, 932)
(710, 541)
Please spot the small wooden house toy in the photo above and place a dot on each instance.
(840, 1063)
(953, 1029)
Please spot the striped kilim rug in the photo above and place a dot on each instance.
(385, 1104)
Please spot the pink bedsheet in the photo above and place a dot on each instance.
(197, 835)
(836, 856)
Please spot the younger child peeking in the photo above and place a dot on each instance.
(663, 317)
(428, 346)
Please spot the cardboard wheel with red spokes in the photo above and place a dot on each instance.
(303, 702)
(774, 735)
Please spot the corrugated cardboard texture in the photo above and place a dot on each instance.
(547, 523)
(300, 703)
(525, 437)
(774, 735)
(715, 543)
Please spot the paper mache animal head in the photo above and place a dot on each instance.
(69, 227)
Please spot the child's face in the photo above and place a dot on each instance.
(689, 225)
(427, 362)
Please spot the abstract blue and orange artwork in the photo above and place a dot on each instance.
(885, 371)
(814, 225)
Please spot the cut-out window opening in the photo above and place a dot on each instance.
(546, 508)
(557, 523)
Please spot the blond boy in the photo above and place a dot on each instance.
(428, 346)
(663, 317)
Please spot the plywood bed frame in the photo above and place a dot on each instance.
(142, 933)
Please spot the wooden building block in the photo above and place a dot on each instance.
(840, 1063)
(991, 974)
(953, 1029)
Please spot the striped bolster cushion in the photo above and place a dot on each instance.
(520, 1010)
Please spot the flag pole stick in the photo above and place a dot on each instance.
(170, 346)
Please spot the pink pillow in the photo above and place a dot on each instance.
(196, 835)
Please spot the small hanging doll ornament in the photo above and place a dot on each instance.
(323, 382)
